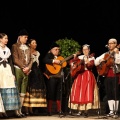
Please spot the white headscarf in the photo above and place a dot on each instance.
(113, 40)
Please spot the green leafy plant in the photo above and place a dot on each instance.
(68, 46)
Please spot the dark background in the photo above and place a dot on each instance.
(90, 22)
(86, 21)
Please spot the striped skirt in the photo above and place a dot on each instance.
(10, 97)
(36, 98)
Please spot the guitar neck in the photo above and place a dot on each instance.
(69, 57)
(81, 62)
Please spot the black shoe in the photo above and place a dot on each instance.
(4, 116)
(18, 116)
(85, 115)
(32, 114)
(27, 114)
(59, 113)
(1, 116)
(23, 115)
(49, 114)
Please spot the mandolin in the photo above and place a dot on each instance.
(55, 68)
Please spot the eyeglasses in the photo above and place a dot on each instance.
(111, 43)
(85, 49)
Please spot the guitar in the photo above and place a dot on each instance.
(104, 66)
(55, 68)
(78, 66)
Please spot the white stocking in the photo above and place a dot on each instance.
(21, 101)
(116, 105)
(110, 104)
(16, 112)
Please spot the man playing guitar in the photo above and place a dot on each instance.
(111, 77)
(53, 81)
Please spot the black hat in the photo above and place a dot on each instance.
(54, 45)
(23, 32)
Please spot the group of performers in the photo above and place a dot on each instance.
(22, 83)
(84, 94)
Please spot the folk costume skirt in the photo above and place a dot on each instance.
(35, 99)
(84, 92)
(8, 88)
(10, 97)
(36, 89)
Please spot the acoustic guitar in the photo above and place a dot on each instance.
(104, 66)
(55, 68)
(78, 66)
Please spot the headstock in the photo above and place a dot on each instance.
(78, 52)
(118, 46)
(92, 54)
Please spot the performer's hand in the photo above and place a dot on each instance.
(116, 50)
(26, 70)
(87, 61)
(101, 60)
(75, 55)
(57, 61)
(73, 66)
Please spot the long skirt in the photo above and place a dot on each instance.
(10, 97)
(84, 92)
(36, 98)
